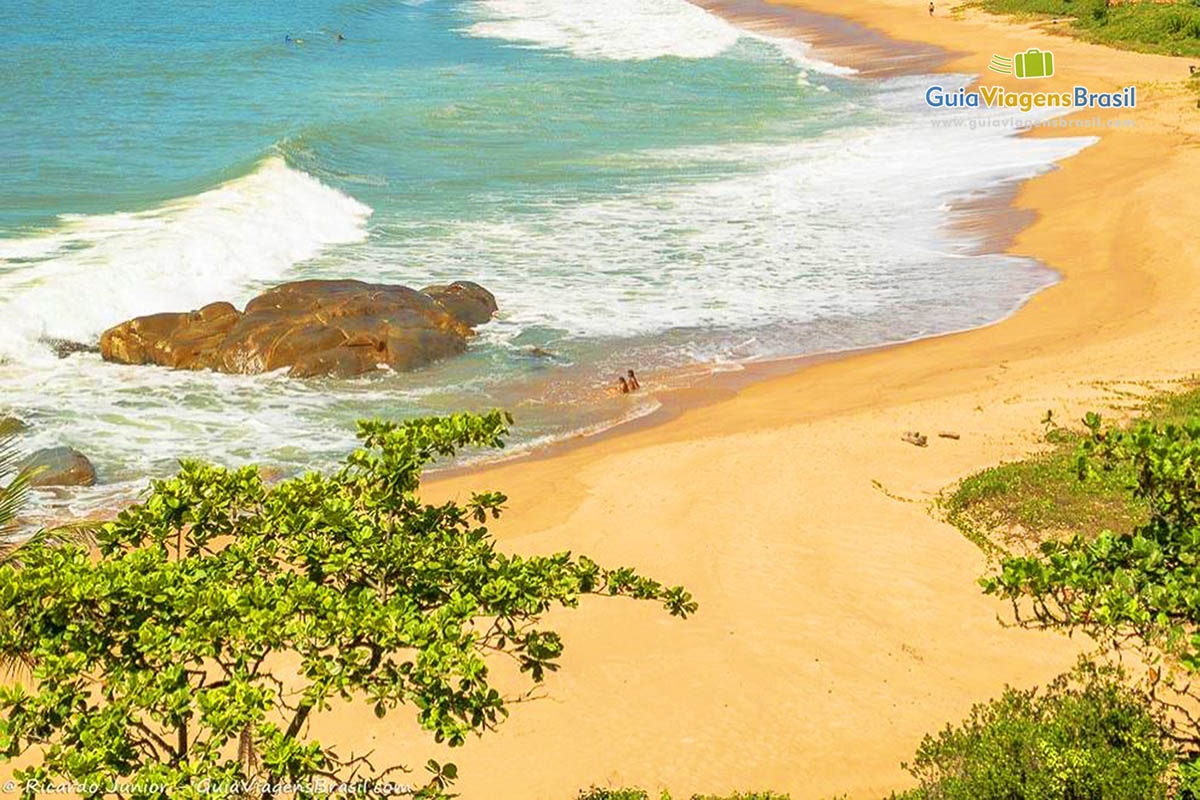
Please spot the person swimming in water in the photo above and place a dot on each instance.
(634, 383)
(621, 382)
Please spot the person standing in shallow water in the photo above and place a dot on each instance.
(634, 383)
(624, 385)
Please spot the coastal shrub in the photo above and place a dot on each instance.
(1170, 28)
(1135, 590)
(597, 793)
(1084, 736)
(189, 652)
(1020, 503)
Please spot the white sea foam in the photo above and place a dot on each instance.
(609, 29)
(625, 30)
(91, 272)
(837, 228)
(823, 243)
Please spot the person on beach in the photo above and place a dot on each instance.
(624, 384)
(931, 9)
(634, 383)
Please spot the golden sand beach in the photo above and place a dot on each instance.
(839, 619)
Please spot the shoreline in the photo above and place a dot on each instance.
(874, 55)
(992, 217)
(838, 624)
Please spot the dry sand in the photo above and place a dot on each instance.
(838, 623)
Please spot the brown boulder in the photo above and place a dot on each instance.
(468, 302)
(337, 328)
(60, 466)
(182, 340)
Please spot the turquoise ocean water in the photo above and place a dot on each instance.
(639, 182)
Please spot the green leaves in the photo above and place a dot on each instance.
(1084, 736)
(221, 613)
(1138, 589)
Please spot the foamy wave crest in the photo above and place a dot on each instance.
(831, 231)
(628, 30)
(621, 30)
(92, 272)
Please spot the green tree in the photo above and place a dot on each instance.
(157, 661)
(1137, 590)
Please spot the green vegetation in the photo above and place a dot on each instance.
(1104, 531)
(1136, 590)
(1085, 736)
(595, 793)
(1021, 503)
(186, 652)
(1167, 28)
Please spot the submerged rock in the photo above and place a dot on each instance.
(65, 347)
(11, 426)
(60, 466)
(334, 328)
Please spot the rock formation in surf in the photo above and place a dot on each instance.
(60, 466)
(313, 328)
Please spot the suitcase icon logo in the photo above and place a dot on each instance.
(1033, 63)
